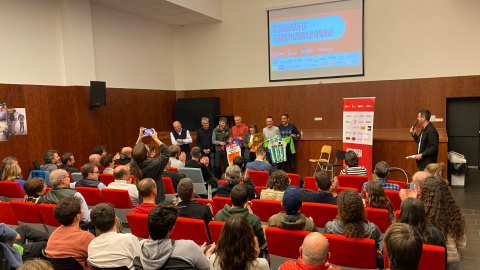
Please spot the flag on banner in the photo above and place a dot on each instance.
(233, 149)
(358, 129)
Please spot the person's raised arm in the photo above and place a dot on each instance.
(141, 135)
(155, 137)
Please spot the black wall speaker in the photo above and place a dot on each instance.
(189, 111)
(98, 96)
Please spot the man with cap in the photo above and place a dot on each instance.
(292, 219)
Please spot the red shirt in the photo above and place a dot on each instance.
(144, 208)
(299, 265)
(239, 132)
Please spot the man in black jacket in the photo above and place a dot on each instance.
(427, 141)
(176, 177)
(204, 141)
(195, 162)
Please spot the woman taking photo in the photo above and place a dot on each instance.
(146, 167)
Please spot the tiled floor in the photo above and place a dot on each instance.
(469, 200)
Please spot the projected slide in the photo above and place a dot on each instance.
(316, 41)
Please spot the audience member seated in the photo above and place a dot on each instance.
(159, 251)
(51, 158)
(10, 253)
(36, 264)
(413, 214)
(237, 247)
(233, 175)
(258, 164)
(100, 150)
(62, 188)
(90, 177)
(110, 249)
(35, 190)
(376, 198)
(351, 159)
(437, 169)
(241, 205)
(125, 156)
(150, 168)
(351, 221)
(403, 246)
(239, 161)
(13, 173)
(68, 161)
(276, 185)
(418, 179)
(443, 212)
(292, 219)
(381, 171)
(313, 255)
(176, 177)
(107, 162)
(326, 188)
(178, 159)
(148, 190)
(5, 162)
(198, 162)
(123, 181)
(94, 159)
(188, 207)
(69, 240)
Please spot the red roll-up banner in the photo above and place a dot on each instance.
(358, 129)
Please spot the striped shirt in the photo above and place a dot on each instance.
(355, 171)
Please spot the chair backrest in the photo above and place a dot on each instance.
(12, 190)
(259, 178)
(264, 209)
(191, 229)
(219, 202)
(340, 189)
(197, 179)
(401, 184)
(378, 217)
(309, 183)
(167, 182)
(70, 176)
(433, 257)
(206, 202)
(138, 224)
(215, 228)
(7, 215)
(66, 263)
(294, 179)
(394, 197)
(351, 252)
(172, 169)
(397, 214)
(36, 164)
(283, 244)
(102, 168)
(340, 154)
(321, 213)
(106, 178)
(355, 181)
(326, 151)
(27, 214)
(46, 212)
(259, 189)
(91, 195)
(47, 190)
(118, 197)
(76, 176)
(222, 182)
(39, 173)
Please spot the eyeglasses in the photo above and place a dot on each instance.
(96, 172)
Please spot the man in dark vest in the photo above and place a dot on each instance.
(182, 138)
(90, 177)
(61, 188)
(219, 137)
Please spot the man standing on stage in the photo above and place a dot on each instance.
(288, 130)
(427, 141)
(239, 131)
(182, 138)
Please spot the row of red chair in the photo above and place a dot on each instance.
(38, 216)
(260, 178)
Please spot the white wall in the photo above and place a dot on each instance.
(403, 39)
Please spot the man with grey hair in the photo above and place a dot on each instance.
(313, 254)
(233, 175)
(204, 141)
(62, 188)
(94, 159)
(381, 171)
(418, 179)
(51, 158)
(181, 137)
(188, 207)
(6, 161)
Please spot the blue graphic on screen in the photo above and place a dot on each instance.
(316, 61)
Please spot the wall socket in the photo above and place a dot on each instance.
(317, 118)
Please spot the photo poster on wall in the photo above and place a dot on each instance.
(17, 121)
(3, 122)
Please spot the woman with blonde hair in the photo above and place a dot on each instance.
(276, 185)
(437, 169)
(13, 172)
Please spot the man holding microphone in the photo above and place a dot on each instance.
(427, 141)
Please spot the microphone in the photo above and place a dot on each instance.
(413, 127)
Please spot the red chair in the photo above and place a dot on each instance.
(220, 182)
(215, 228)
(294, 179)
(102, 168)
(321, 213)
(259, 178)
(433, 257)
(47, 190)
(27, 214)
(12, 191)
(169, 190)
(191, 229)
(117, 165)
(70, 176)
(352, 252)
(172, 169)
(340, 189)
(394, 197)
(397, 214)
(355, 181)
(219, 202)
(283, 244)
(120, 200)
(264, 209)
(378, 217)
(92, 196)
(309, 183)
(138, 224)
(206, 202)
(106, 178)
(259, 189)
(46, 211)
(399, 183)
(7, 215)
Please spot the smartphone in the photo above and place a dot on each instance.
(147, 131)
